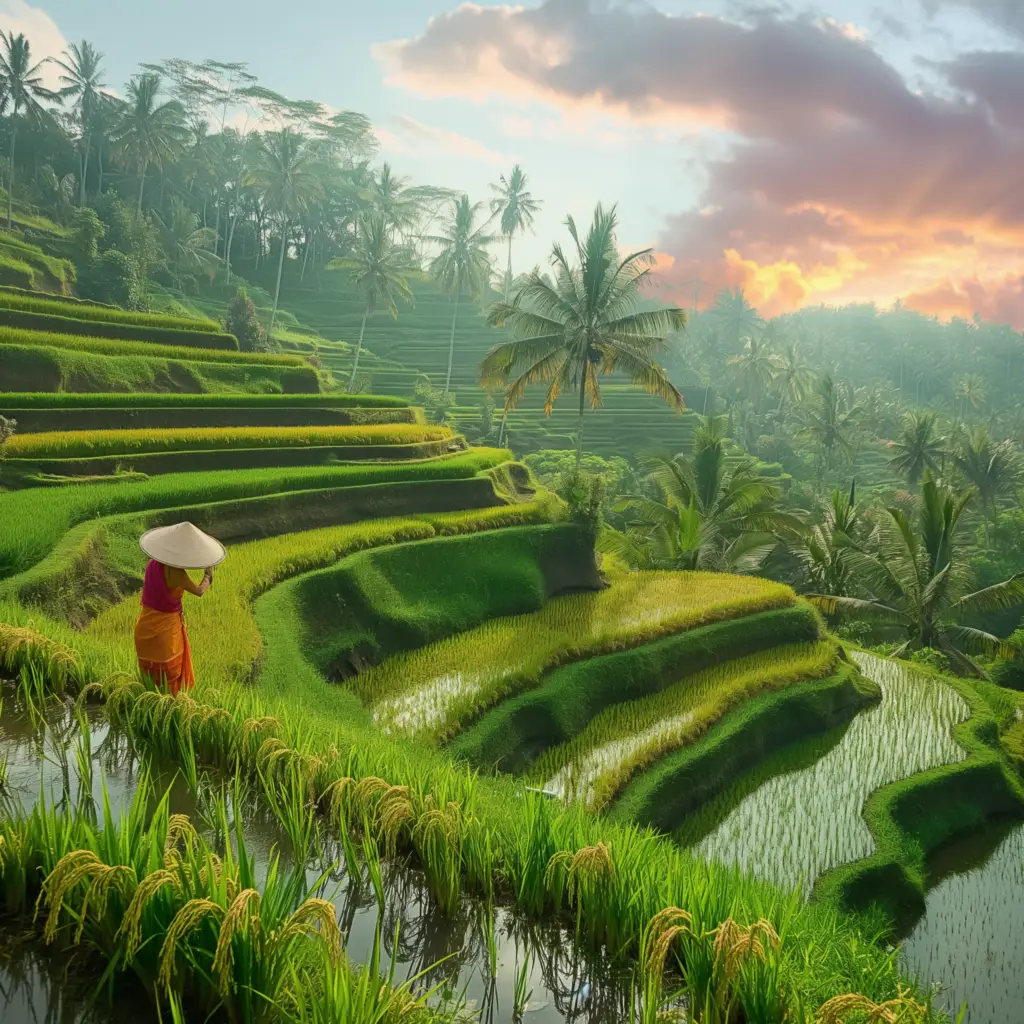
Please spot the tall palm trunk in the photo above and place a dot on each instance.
(451, 342)
(99, 168)
(85, 168)
(10, 173)
(359, 349)
(142, 182)
(508, 273)
(280, 267)
(579, 420)
(227, 250)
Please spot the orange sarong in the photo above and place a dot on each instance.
(161, 644)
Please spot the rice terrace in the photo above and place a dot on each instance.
(421, 599)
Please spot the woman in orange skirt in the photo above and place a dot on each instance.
(161, 642)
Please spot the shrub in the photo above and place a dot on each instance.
(112, 278)
(582, 494)
(243, 323)
(86, 233)
(932, 658)
(437, 404)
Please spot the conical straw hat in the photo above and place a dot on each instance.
(182, 546)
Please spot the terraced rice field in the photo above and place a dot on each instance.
(798, 825)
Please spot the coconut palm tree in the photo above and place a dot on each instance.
(708, 515)
(823, 550)
(753, 366)
(150, 134)
(915, 582)
(82, 82)
(188, 246)
(919, 448)
(970, 393)
(288, 180)
(463, 266)
(21, 89)
(736, 317)
(379, 269)
(828, 419)
(584, 324)
(791, 375)
(991, 468)
(516, 208)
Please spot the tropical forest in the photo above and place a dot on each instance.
(584, 644)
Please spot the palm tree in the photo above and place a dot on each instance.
(824, 549)
(992, 468)
(516, 207)
(584, 324)
(21, 88)
(970, 392)
(708, 516)
(402, 205)
(81, 81)
(379, 269)
(792, 376)
(287, 177)
(735, 315)
(150, 134)
(753, 366)
(919, 447)
(462, 267)
(187, 245)
(828, 420)
(916, 583)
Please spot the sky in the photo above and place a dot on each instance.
(830, 152)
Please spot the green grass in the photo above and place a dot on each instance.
(12, 401)
(106, 314)
(32, 522)
(43, 368)
(378, 602)
(512, 735)
(434, 692)
(629, 737)
(113, 347)
(86, 443)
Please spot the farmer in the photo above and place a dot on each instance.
(160, 639)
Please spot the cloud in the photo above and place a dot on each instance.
(410, 137)
(1008, 14)
(838, 182)
(46, 39)
(1001, 301)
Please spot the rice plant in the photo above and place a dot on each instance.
(626, 738)
(115, 347)
(170, 400)
(107, 314)
(798, 825)
(429, 693)
(89, 443)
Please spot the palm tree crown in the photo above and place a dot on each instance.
(992, 468)
(915, 581)
(21, 89)
(379, 269)
(919, 447)
(584, 324)
(82, 82)
(516, 208)
(187, 245)
(150, 133)
(463, 266)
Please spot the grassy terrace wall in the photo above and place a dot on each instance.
(30, 366)
(80, 309)
(379, 602)
(912, 818)
(679, 784)
(168, 337)
(118, 400)
(511, 736)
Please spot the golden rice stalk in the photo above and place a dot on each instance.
(267, 747)
(902, 1008)
(316, 917)
(735, 944)
(332, 798)
(243, 913)
(254, 726)
(19, 645)
(368, 787)
(394, 809)
(71, 869)
(131, 923)
(662, 930)
(106, 878)
(185, 921)
(562, 859)
(180, 830)
(592, 864)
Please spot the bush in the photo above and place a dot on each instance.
(932, 658)
(112, 278)
(243, 323)
(583, 493)
(86, 234)
(437, 404)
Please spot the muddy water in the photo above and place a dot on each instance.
(53, 755)
(798, 825)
